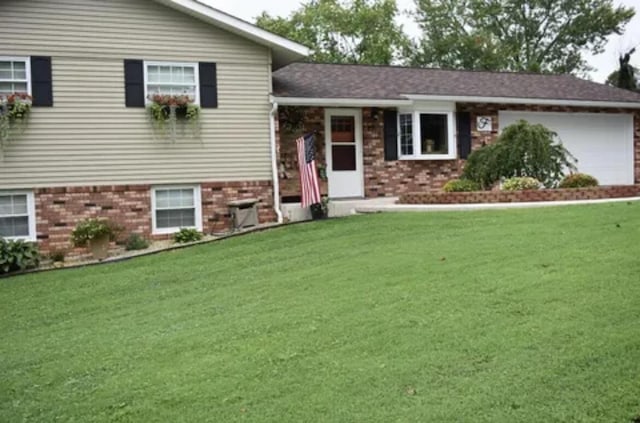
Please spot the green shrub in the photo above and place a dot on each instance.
(185, 235)
(520, 183)
(136, 242)
(461, 185)
(57, 255)
(579, 180)
(18, 255)
(523, 149)
(89, 229)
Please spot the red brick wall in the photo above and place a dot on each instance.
(392, 178)
(440, 197)
(58, 210)
(288, 156)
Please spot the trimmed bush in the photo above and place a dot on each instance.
(18, 255)
(520, 184)
(579, 180)
(461, 185)
(136, 242)
(185, 235)
(522, 149)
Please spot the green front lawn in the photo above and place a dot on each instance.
(500, 316)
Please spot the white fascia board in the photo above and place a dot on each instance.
(533, 101)
(340, 102)
(237, 26)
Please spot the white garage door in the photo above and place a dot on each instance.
(602, 143)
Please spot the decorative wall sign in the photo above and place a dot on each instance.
(484, 123)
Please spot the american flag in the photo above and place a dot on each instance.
(308, 172)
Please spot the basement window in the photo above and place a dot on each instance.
(176, 207)
(17, 215)
(426, 135)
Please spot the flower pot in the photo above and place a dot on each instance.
(99, 247)
(317, 212)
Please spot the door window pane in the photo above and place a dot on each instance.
(343, 157)
(343, 129)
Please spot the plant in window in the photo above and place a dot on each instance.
(165, 111)
(14, 111)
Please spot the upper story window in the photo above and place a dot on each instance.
(17, 215)
(14, 75)
(426, 135)
(174, 79)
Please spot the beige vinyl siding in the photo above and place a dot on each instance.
(90, 137)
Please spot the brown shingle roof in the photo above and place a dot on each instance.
(314, 80)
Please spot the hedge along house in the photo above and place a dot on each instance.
(385, 131)
(89, 150)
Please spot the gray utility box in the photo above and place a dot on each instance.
(244, 213)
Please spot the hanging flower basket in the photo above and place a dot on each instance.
(14, 111)
(167, 111)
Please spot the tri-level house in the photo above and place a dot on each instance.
(89, 149)
(157, 113)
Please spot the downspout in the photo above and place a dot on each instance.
(274, 161)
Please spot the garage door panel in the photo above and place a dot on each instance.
(602, 143)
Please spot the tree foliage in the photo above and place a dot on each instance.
(515, 35)
(523, 149)
(626, 76)
(344, 31)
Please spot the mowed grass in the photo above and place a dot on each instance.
(500, 316)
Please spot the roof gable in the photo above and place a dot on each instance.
(284, 51)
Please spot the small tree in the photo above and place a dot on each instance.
(523, 149)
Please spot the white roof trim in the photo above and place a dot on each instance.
(238, 26)
(513, 100)
(412, 98)
(340, 102)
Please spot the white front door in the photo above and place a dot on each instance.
(343, 139)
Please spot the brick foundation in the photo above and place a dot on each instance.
(58, 210)
(440, 197)
(393, 178)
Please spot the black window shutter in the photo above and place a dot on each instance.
(208, 85)
(464, 134)
(390, 135)
(41, 81)
(133, 83)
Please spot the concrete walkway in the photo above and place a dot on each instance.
(376, 208)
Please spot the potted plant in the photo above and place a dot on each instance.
(166, 110)
(320, 210)
(14, 111)
(95, 234)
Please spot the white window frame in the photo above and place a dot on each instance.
(31, 215)
(197, 199)
(27, 66)
(195, 66)
(417, 136)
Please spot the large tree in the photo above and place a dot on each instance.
(349, 31)
(515, 35)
